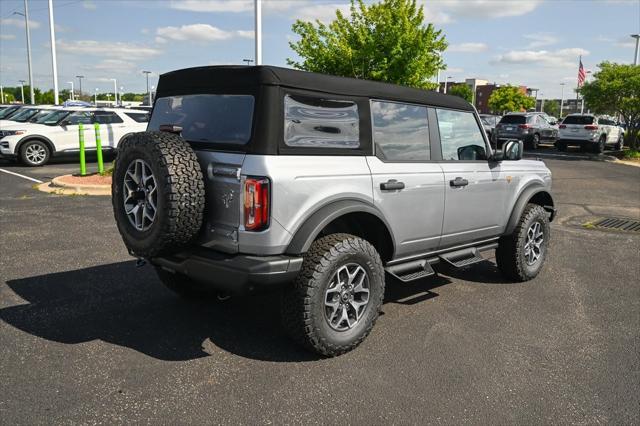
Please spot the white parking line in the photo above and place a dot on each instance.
(22, 176)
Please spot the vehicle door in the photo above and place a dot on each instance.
(66, 135)
(475, 188)
(112, 128)
(408, 186)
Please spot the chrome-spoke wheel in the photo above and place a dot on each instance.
(347, 297)
(533, 245)
(140, 195)
(35, 153)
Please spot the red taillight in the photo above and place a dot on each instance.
(591, 127)
(563, 126)
(524, 126)
(256, 204)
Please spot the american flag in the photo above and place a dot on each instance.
(582, 75)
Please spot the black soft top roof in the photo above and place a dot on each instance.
(218, 78)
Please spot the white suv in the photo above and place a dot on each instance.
(589, 132)
(56, 134)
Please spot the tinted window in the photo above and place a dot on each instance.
(513, 119)
(400, 131)
(78, 117)
(103, 117)
(460, 136)
(8, 112)
(207, 118)
(320, 123)
(578, 119)
(138, 117)
(606, 122)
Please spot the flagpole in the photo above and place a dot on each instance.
(578, 84)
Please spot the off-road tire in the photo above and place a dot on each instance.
(510, 252)
(24, 158)
(182, 285)
(180, 186)
(303, 315)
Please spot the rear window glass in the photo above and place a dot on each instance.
(320, 123)
(578, 119)
(138, 117)
(207, 118)
(514, 119)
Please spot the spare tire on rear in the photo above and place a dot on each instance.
(157, 193)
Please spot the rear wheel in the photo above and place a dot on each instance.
(535, 141)
(620, 144)
(34, 153)
(336, 298)
(520, 256)
(598, 148)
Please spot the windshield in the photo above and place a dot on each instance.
(6, 113)
(52, 118)
(207, 119)
(513, 119)
(24, 115)
(42, 113)
(578, 119)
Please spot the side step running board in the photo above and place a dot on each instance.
(411, 271)
(462, 258)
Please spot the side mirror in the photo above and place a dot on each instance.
(65, 122)
(512, 150)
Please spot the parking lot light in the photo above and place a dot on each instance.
(71, 83)
(115, 92)
(637, 54)
(22, 89)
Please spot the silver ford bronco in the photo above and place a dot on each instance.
(320, 186)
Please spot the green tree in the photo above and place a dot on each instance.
(615, 90)
(552, 108)
(510, 98)
(461, 90)
(385, 41)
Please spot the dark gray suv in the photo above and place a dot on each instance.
(530, 127)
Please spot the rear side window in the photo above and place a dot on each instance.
(320, 123)
(513, 119)
(107, 117)
(80, 117)
(578, 119)
(400, 131)
(138, 117)
(207, 119)
(460, 136)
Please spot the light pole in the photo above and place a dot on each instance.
(445, 84)
(148, 92)
(258, 30)
(54, 62)
(637, 54)
(121, 93)
(115, 92)
(541, 102)
(71, 83)
(152, 92)
(26, 26)
(561, 99)
(22, 89)
(80, 77)
(1, 95)
(95, 97)
(248, 61)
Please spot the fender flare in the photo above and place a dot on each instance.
(523, 199)
(309, 230)
(44, 139)
(126, 135)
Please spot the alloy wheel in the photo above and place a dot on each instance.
(347, 297)
(140, 195)
(533, 245)
(35, 153)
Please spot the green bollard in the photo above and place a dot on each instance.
(96, 126)
(83, 164)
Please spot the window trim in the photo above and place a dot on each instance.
(429, 131)
(488, 148)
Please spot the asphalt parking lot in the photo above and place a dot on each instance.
(86, 337)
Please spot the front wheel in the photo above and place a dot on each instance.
(337, 295)
(520, 256)
(34, 153)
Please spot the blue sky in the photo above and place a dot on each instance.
(530, 42)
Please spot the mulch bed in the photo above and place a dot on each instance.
(92, 179)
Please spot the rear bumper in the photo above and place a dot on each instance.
(232, 273)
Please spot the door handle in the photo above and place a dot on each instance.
(458, 182)
(391, 185)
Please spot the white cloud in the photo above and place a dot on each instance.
(212, 5)
(556, 58)
(442, 12)
(7, 36)
(89, 4)
(195, 32)
(324, 12)
(468, 47)
(454, 70)
(15, 22)
(111, 66)
(245, 34)
(540, 40)
(131, 51)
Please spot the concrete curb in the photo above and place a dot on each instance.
(626, 163)
(56, 186)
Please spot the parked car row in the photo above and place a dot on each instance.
(33, 134)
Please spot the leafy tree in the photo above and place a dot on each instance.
(461, 90)
(385, 41)
(552, 108)
(615, 90)
(510, 98)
